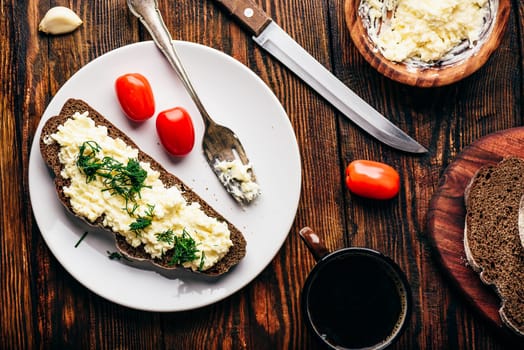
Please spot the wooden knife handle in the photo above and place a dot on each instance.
(248, 13)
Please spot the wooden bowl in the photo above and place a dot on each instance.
(425, 76)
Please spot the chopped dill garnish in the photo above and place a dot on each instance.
(125, 180)
(133, 209)
(184, 249)
(114, 255)
(117, 256)
(150, 210)
(139, 224)
(166, 236)
(81, 239)
(87, 161)
(202, 259)
(143, 221)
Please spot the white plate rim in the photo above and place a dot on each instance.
(36, 165)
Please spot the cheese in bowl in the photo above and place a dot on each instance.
(427, 32)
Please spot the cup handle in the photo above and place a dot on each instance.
(313, 242)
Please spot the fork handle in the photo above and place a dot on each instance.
(148, 13)
(248, 13)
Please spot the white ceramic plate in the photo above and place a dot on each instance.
(234, 96)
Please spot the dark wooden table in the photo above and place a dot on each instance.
(42, 306)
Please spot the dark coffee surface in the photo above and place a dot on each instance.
(355, 301)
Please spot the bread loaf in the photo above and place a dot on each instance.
(50, 152)
(491, 235)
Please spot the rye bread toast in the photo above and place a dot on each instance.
(491, 235)
(50, 153)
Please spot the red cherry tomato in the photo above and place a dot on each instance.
(371, 179)
(175, 129)
(135, 96)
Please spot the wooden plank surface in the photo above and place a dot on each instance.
(44, 307)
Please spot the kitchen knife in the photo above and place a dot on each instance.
(278, 43)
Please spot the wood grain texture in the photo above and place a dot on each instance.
(44, 307)
(248, 13)
(16, 298)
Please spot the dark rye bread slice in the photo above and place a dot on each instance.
(50, 154)
(491, 235)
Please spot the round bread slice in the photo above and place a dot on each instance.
(50, 155)
(491, 235)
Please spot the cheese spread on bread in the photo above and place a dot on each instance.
(425, 30)
(167, 207)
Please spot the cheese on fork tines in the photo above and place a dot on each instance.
(238, 180)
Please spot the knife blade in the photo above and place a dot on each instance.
(268, 35)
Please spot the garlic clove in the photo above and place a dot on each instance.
(59, 20)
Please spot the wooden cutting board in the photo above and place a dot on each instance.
(447, 212)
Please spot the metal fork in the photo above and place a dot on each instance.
(219, 142)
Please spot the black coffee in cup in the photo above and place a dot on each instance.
(356, 298)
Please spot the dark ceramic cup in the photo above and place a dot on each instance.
(354, 298)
